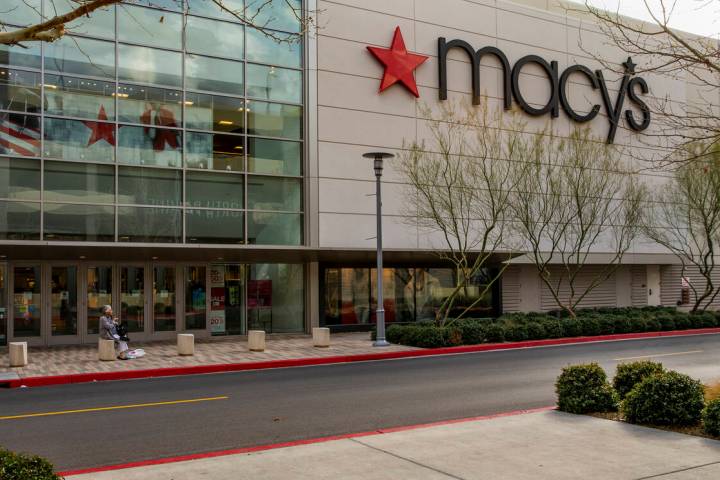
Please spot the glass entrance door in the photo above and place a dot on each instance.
(99, 293)
(27, 303)
(164, 307)
(63, 303)
(132, 297)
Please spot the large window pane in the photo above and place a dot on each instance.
(132, 298)
(20, 12)
(149, 105)
(94, 223)
(19, 135)
(214, 151)
(27, 303)
(274, 119)
(266, 228)
(79, 182)
(214, 226)
(283, 15)
(63, 301)
(27, 55)
(79, 140)
(149, 27)
(150, 146)
(99, 294)
(277, 157)
(19, 90)
(19, 178)
(274, 193)
(195, 298)
(149, 186)
(19, 221)
(79, 97)
(398, 299)
(164, 299)
(214, 190)
(212, 112)
(275, 297)
(234, 9)
(81, 56)
(148, 65)
(284, 49)
(203, 73)
(210, 37)
(151, 225)
(100, 23)
(273, 83)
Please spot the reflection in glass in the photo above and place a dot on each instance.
(214, 226)
(234, 9)
(274, 193)
(213, 190)
(277, 157)
(79, 97)
(164, 298)
(150, 225)
(132, 298)
(149, 105)
(92, 223)
(283, 15)
(87, 140)
(149, 65)
(79, 182)
(26, 301)
(160, 147)
(398, 298)
(20, 134)
(149, 186)
(268, 228)
(273, 83)
(19, 178)
(212, 74)
(214, 151)
(195, 298)
(19, 90)
(3, 305)
(212, 112)
(275, 297)
(81, 56)
(264, 48)
(101, 23)
(63, 301)
(19, 221)
(21, 12)
(274, 119)
(27, 55)
(149, 27)
(210, 37)
(99, 294)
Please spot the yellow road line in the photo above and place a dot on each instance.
(115, 407)
(659, 355)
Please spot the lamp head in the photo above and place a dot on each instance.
(378, 160)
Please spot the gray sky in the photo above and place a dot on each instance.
(696, 16)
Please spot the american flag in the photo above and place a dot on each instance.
(19, 135)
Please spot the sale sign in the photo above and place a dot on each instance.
(217, 299)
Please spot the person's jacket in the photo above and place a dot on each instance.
(108, 329)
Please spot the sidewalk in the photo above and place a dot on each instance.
(545, 445)
(80, 359)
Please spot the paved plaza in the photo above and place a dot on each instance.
(66, 360)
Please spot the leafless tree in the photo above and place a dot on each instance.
(685, 219)
(60, 15)
(660, 49)
(459, 190)
(573, 198)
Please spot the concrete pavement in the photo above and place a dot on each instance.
(546, 445)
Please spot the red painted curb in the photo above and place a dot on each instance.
(295, 443)
(301, 362)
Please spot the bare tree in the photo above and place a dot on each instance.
(685, 219)
(459, 188)
(661, 49)
(58, 19)
(573, 198)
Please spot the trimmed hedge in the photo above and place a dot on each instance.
(711, 418)
(668, 398)
(18, 466)
(585, 389)
(628, 375)
(537, 326)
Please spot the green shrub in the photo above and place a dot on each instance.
(703, 320)
(652, 324)
(711, 418)
(585, 389)
(606, 324)
(668, 398)
(570, 327)
(628, 375)
(682, 321)
(535, 331)
(495, 333)
(16, 466)
(637, 324)
(667, 320)
(472, 332)
(552, 327)
(590, 326)
(516, 333)
(394, 333)
(622, 325)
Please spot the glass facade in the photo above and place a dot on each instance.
(410, 294)
(157, 122)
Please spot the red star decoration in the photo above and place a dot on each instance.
(399, 64)
(101, 131)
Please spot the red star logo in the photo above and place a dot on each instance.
(399, 64)
(101, 131)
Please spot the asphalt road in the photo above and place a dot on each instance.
(282, 405)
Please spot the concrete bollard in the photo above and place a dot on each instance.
(186, 344)
(106, 350)
(256, 340)
(321, 337)
(18, 354)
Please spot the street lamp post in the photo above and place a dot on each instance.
(380, 311)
